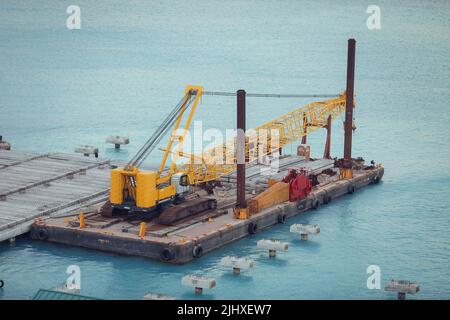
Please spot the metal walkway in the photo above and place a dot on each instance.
(43, 294)
(36, 185)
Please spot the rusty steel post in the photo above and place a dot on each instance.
(326, 153)
(240, 156)
(349, 104)
(304, 129)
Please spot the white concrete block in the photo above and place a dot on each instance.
(117, 140)
(85, 149)
(272, 245)
(403, 286)
(198, 281)
(157, 296)
(236, 262)
(305, 228)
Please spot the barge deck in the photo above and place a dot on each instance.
(194, 236)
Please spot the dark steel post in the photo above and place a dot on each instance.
(304, 129)
(326, 153)
(349, 104)
(240, 152)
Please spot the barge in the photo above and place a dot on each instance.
(179, 212)
(191, 238)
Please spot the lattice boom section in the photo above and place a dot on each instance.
(263, 140)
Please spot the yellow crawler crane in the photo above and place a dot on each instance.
(136, 190)
(264, 140)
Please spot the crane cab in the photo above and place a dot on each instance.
(181, 183)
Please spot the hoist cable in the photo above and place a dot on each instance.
(270, 95)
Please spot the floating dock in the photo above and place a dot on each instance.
(42, 185)
(196, 235)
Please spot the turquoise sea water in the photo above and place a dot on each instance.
(128, 65)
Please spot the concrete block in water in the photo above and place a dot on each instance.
(4, 145)
(117, 140)
(402, 287)
(237, 263)
(157, 296)
(305, 228)
(272, 245)
(198, 282)
(87, 150)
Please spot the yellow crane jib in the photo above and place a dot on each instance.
(290, 127)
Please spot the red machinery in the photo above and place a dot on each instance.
(295, 186)
(299, 184)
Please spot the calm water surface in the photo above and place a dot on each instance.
(128, 65)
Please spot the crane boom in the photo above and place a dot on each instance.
(221, 159)
(161, 131)
(133, 189)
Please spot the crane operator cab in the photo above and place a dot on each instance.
(181, 183)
